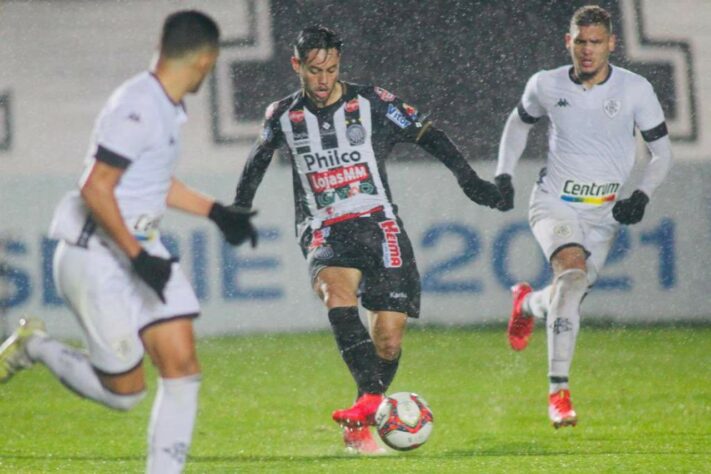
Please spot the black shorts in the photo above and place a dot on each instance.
(380, 249)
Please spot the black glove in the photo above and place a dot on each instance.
(480, 191)
(155, 271)
(234, 223)
(630, 210)
(503, 182)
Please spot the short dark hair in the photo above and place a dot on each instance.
(316, 37)
(187, 31)
(591, 15)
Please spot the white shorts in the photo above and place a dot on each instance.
(113, 304)
(556, 224)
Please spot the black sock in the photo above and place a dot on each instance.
(356, 348)
(388, 369)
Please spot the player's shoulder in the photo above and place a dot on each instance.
(137, 94)
(630, 78)
(277, 108)
(549, 76)
(371, 92)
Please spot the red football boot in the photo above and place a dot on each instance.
(360, 440)
(520, 325)
(362, 413)
(560, 409)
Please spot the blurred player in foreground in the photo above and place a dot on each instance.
(338, 135)
(575, 208)
(128, 294)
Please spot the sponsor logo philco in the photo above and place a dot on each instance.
(330, 159)
(338, 177)
(392, 256)
(384, 95)
(397, 117)
(296, 116)
(352, 105)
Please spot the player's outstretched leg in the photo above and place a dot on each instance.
(13, 352)
(358, 352)
(521, 324)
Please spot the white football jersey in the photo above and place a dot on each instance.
(591, 143)
(137, 130)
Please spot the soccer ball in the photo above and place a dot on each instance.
(404, 421)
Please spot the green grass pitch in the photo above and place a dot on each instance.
(643, 396)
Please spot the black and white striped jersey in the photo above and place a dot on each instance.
(337, 153)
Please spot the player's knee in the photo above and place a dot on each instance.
(184, 366)
(573, 281)
(336, 295)
(388, 346)
(123, 402)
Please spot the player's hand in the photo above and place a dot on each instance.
(630, 210)
(155, 271)
(234, 222)
(503, 182)
(481, 191)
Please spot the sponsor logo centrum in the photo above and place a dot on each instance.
(589, 193)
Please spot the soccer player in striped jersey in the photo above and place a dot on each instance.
(337, 135)
(129, 296)
(576, 208)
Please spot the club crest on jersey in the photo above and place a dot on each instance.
(392, 256)
(296, 116)
(356, 134)
(397, 117)
(384, 95)
(612, 107)
(352, 105)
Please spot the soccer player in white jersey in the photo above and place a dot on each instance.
(575, 208)
(128, 294)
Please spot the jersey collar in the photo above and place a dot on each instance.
(180, 104)
(574, 78)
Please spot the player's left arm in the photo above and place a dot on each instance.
(649, 118)
(234, 223)
(409, 126)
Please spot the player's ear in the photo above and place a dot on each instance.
(568, 41)
(612, 42)
(295, 64)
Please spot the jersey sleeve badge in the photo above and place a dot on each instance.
(384, 95)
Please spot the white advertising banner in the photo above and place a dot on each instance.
(468, 256)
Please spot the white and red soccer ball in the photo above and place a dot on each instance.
(404, 421)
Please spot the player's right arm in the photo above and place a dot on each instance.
(259, 158)
(97, 190)
(514, 138)
(123, 132)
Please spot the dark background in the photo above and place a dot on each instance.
(465, 62)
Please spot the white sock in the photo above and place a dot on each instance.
(563, 322)
(72, 367)
(537, 302)
(172, 421)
